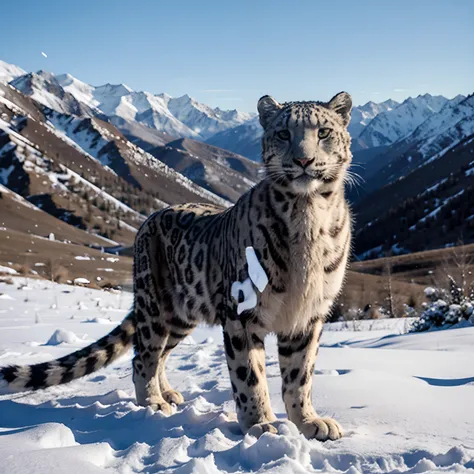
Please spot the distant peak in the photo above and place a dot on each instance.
(64, 75)
(65, 79)
(115, 89)
(185, 98)
(164, 96)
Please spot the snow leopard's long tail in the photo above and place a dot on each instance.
(19, 378)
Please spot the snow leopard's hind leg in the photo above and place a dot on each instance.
(159, 330)
(154, 343)
(297, 355)
(150, 341)
(178, 330)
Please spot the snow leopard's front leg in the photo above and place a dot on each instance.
(246, 361)
(297, 355)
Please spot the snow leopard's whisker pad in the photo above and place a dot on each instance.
(187, 258)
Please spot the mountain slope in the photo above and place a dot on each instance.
(244, 140)
(9, 72)
(84, 171)
(20, 215)
(222, 172)
(431, 207)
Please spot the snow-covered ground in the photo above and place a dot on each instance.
(406, 401)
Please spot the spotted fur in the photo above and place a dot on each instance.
(188, 256)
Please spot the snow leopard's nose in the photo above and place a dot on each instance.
(303, 162)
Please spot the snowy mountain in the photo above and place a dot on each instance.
(9, 72)
(84, 172)
(432, 206)
(362, 115)
(423, 182)
(44, 88)
(373, 125)
(178, 117)
(443, 130)
(202, 119)
(394, 124)
(433, 138)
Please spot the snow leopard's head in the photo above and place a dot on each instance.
(306, 145)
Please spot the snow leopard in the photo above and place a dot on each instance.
(187, 258)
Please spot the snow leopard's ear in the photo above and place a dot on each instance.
(342, 104)
(267, 107)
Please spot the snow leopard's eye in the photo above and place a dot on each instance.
(324, 133)
(284, 135)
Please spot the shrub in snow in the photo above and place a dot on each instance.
(409, 311)
(431, 294)
(440, 313)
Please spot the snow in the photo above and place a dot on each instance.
(81, 281)
(405, 400)
(442, 204)
(10, 271)
(434, 187)
(429, 291)
(61, 336)
(9, 72)
(256, 272)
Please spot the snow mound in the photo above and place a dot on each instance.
(81, 281)
(189, 341)
(98, 320)
(51, 435)
(10, 271)
(61, 336)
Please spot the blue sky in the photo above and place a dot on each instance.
(228, 54)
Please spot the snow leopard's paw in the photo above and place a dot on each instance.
(172, 396)
(260, 428)
(322, 429)
(162, 406)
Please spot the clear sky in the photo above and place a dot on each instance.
(229, 53)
